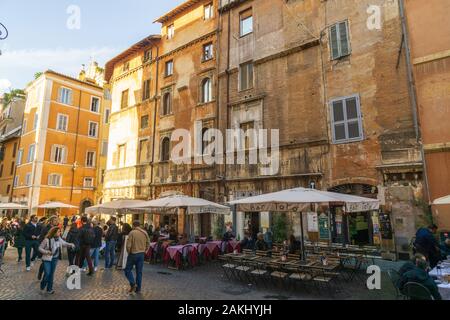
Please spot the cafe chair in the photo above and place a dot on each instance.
(229, 268)
(394, 276)
(416, 291)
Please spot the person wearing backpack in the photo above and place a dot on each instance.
(86, 238)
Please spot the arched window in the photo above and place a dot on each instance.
(206, 90)
(167, 104)
(165, 149)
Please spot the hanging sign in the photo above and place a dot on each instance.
(313, 223)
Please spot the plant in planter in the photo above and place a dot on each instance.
(280, 227)
(219, 227)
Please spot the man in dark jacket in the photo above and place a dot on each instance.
(73, 237)
(111, 236)
(87, 238)
(421, 276)
(95, 249)
(427, 244)
(31, 233)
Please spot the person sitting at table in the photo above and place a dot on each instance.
(294, 245)
(260, 244)
(183, 239)
(420, 275)
(247, 242)
(173, 234)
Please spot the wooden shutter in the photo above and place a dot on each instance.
(53, 154)
(64, 155)
(344, 40)
(334, 46)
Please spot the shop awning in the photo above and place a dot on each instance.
(299, 199)
(442, 201)
(193, 205)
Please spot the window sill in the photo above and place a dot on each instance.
(202, 104)
(166, 115)
(245, 35)
(341, 142)
(207, 60)
(168, 76)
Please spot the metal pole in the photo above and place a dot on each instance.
(303, 238)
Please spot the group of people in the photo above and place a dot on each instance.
(44, 239)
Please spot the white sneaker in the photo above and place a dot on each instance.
(95, 269)
(28, 269)
(84, 269)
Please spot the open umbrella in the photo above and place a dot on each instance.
(114, 207)
(299, 199)
(56, 205)
(12, 206)
(442, 201)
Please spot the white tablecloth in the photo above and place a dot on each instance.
(444, 290)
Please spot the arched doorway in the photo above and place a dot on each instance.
(358, 228)
(84, 205)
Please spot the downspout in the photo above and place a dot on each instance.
(154, 124)
(413, 94)
(228, 98)
(76, 147)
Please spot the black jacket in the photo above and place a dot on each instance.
(420, 276)
(84, 235)
(30, 230)
(44, 229)
(112, 234)
(74, 237)
(98, 237)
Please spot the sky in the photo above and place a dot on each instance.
(64, 34)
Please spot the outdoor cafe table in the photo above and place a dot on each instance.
(174, 253)
(212, 249)
(444, 289)
(151, 250)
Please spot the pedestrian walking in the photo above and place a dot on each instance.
(52, 222)
(73, 237)
(6, 232)
(51, 248)
(87, 237)
(97, 244)
(65, 222)
(137, 245)
(111, 236)
(19, 239)
(427, 244)
(31, 233)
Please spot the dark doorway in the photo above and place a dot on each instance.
(205, 224)
(84, 205)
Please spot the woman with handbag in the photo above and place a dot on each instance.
(51, 249)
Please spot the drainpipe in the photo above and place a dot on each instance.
(76, 147)
(154, 123)
(413, 94)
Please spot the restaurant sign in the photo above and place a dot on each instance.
(274, 207)
(361, 206)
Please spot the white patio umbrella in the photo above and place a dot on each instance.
(442, 201)
(299, 199)
(56, 205)
(12, 206)
(114, 207)
(193, 205)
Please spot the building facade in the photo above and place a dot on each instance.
(429, 43)
(11, 116)
(58, 151)
(336, 88)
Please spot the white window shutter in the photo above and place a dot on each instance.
(60, 91)
(64, 155)
(52, 154)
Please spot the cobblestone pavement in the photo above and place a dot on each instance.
(205, 282)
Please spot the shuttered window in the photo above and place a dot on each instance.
(90, 159)
(58, 154)
(246, 76)
(63, 121)
(65, 96)
(346, 120)
(146, 90)
(54, 180)
(339, 40)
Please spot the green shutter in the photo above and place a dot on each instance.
(344, 40)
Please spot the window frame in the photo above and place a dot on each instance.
(162, 154)
(141, 126)
(146, 85)
(62, 154)
(66, 122)
(203, 92)
(208, 58)
(163, 104)
(210, 7)
(127, 101)
(243, 19)
(69, 96)
(98, 106)
(106, 115)
(338, 35)
(94, 159)
(251, 84)
(29, 153)
(170, 31)
(28, 179)
(96, 130)
(346, 122)
(50, 180)
(166, 69)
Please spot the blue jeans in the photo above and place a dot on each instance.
(110, 254)
(49, 273)
(138, 261)
(95, 255)
(31, 244)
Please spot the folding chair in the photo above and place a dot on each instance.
(229, 268)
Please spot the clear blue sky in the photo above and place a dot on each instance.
(39, 38)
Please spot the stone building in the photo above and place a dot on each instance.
(429, 41)
(329, 76)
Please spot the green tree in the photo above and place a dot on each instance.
(219, 227)
(37, 75)
(9, 96)
(280, 227)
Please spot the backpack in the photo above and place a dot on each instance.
(89, 236)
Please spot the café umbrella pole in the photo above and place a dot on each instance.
(303, 238)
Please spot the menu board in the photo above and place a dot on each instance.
(313, 224)
(324, 228)
(385, 226)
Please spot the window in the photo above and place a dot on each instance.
(95, 104)
(143, 151)
(124, 101)
(93, 129)
(207, 52)
(346, 120)
(144, 122)
(54, 180)
(14, 151)
(19, 157)
(11, 172)
(107, 114)
(28, 179)
(62, 122)
(126, 66)
(206, 90)
(58, 154)
(169, 68)
(65, 96)
(104, 148)
(90, 159)
(16, 181)
(31, 151)
(146, 90)
(165, 149)
(121, 156)
(246, 76)
(36, 121)
(246, 23)
(88, 182)
(167, 104)
(339, 40)
(209, 11)
(170, 31)
(148, 55)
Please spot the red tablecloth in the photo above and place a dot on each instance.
(233, 245)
